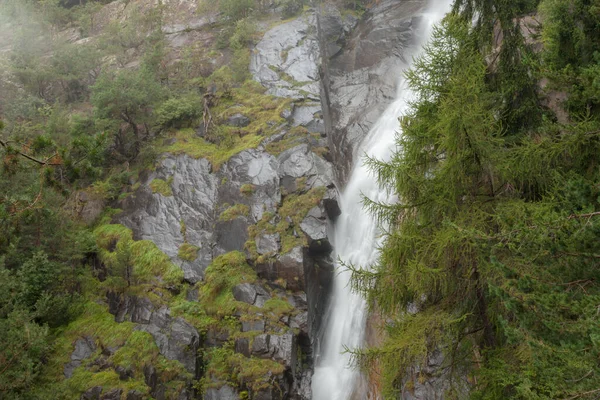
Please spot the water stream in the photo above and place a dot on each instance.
(356, 241)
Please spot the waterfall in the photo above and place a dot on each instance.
(356, 241)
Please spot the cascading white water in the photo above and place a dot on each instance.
(356, 241)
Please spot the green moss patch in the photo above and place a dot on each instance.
(225, 366)
(294, 206)
(188, 252)
(249, 99)
(189, 143)
(235, 211)
(162, 187)
(247, 189)
(142, 262)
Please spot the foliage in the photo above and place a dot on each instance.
(180, 112)
(243, 35)
(188, 252)
(495, 237)
(233, 212)
(162, 187)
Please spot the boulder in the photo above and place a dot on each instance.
(266, 243)
(314, 226)
(129, 308)
(330, 202)
(134, 395)
(84, 348)
(277, 347)
(290, 267)
(289, 52)
(92, 393)
(175, 338)
(301, 162)
(238, 120)
(260, 346)
(242, 346)
(248, 326)
(251, 294)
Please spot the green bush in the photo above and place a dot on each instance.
(236, 9)
(243, 35)
(179, 112)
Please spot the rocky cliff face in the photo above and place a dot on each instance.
(361, 71)
(251, 234)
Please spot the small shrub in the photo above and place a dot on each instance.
(243, 35)
(179, 112)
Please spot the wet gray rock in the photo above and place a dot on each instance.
(248, 326)
(245, 292)
(114, 394)
(266, 243)
(222, 393)
(302, 385)
(89, 206)
(331, 204)
(251, 294)
(238, 120)
(299, 162)
(289, 52)
(130, 308)
(193, 24)
(277, 347)
(92, 393)
(253, 167)
(175, 338)
(84, 348)
(310, 117)
(319, 278)
(429, 382)
(290, 267)
(314, 227)
(242, 346)
(157, 390)
(231, 235)
(260, 345)
(300, 321)
(134, 395)
(124, 373)
(360, 79)
(154, 217)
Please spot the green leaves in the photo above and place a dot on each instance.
(495, 237)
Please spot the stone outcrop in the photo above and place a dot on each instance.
(360, 79)
(84, 348)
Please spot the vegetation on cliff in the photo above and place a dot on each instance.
(87, 100)
(495, 238)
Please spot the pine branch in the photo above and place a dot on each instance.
(588, 215)
(31, 158)
(577, 396)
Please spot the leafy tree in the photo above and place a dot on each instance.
(127, 96)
